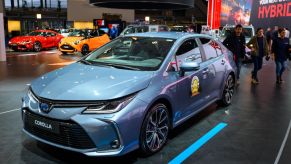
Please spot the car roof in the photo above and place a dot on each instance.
(233, 26)
(171, 35)
(45, 31)
(142, 25)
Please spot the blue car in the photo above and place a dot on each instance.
(129, 93)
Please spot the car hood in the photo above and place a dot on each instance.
(86, 82)
(71, 39)
(22, 38)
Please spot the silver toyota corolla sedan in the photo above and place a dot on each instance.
(129, 94)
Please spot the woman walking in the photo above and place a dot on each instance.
(259, 48)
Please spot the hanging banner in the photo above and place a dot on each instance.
(236, 12)
(213, 17)
(270, 13)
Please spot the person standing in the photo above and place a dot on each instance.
(113, 32)
(280, 50)
(259, 48)
(236, 44)
(269, 36)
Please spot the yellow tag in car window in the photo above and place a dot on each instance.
(195, 86)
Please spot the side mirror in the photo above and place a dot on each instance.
(187, 67)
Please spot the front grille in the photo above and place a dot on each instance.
(70, 134)
(67, 47)
(22, 46)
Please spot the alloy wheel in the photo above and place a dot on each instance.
(85, 49)
(229, 90)
(157, 128)
(37, 46)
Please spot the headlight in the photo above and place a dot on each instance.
(77, 42)
(61, 41)
(26, 42)
(110, 106)
(31, 96)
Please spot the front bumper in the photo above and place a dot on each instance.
(69, 48)
(20, 47)
(90, 137)
(90, 134)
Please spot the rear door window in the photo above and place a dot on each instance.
(211, 48)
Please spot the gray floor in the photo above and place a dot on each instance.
(257, 120)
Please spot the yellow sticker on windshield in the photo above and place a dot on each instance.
(195, 86)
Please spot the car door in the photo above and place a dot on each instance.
(50, 39)
(190, 87)
(54, 39)
(215, 66)
(95, 41)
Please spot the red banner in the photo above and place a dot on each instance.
(214, 8)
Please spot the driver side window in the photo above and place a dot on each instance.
(187, 52)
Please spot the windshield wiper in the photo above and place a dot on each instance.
(121, 66)
(85, 62)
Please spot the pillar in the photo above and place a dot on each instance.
(2, 33)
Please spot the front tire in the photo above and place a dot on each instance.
(37, 46)
(85, 49)
(155, 129)
(228, 91)
(64, 53)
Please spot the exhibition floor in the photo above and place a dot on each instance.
(256, 128)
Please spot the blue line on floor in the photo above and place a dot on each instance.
(195, 146)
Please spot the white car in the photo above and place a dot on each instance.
(130, 29)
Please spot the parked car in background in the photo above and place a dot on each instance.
(179, 28)
(83, 41)
(248, 32)
(143, 28)
(129, 93)
(66, 32)
(35, 41)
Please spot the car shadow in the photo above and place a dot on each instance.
(53, 154)
(194, 120)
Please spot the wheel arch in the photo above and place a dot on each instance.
(164, 101)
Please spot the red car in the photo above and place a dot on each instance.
(35, 41)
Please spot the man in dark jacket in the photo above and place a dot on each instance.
(236, 44)
(280, 49)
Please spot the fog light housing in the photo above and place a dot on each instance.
(115, 144)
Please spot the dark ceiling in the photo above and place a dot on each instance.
(144, 4)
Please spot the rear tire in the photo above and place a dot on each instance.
(155, 130)
(228, 91)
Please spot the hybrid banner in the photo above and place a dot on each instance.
(270, 13)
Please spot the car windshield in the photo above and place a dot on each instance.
(77, 33)
(178, 29)
(248, 32)
(36, 33)
(135, 53)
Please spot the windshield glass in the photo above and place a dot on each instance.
(136, 53)
(129, 30)
(178, 29)
(36, 33)
(77, 33)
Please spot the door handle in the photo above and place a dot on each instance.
(222, 62)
